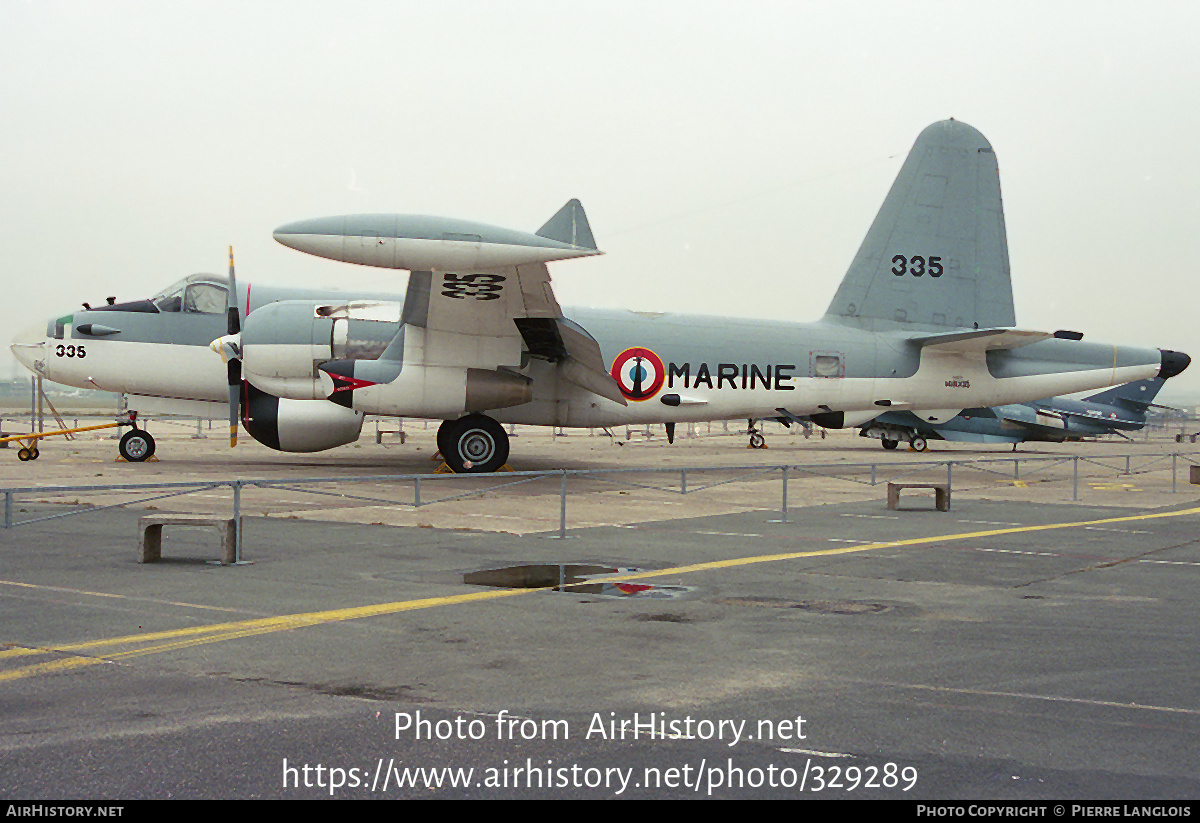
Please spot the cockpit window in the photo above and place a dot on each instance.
(204, 298)
(170, 302)
(197, 293)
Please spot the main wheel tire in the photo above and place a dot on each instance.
(756, 441)
(889, 444)
(35, 454)
(24, 454)
(445, 434)
(136, 446)
(918, 444)
(475, 444)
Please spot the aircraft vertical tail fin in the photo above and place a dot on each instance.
(1138, 395)
(937, 252)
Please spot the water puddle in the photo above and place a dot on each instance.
(577, 578)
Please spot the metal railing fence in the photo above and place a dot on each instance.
(675, 480)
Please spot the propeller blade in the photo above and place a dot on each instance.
(232, 355)
(231, 302)
(235, 399)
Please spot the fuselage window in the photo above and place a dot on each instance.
(827, 365)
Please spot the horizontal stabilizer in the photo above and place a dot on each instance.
(979, 340)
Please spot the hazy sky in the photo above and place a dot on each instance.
(730, 156)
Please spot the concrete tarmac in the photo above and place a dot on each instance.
(1022, 646)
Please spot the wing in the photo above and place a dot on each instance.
(479, 297)
(491, 319)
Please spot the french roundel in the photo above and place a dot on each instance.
(639, 372)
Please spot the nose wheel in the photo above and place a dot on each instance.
(136, 446)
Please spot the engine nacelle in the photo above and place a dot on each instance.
(297, 425)
(417, 390)
(282, 344)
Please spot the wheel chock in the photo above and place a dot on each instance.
(445, 469)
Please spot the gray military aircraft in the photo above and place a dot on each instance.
(923, 322)
(1054, 419)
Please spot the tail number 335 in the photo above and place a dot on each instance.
(916, 265)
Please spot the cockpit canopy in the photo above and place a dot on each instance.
(197, 293)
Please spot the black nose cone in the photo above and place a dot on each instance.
(1173, 362)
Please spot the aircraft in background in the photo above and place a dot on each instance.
(1055, 419)
(923, 322)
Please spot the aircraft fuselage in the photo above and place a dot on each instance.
(692, 368)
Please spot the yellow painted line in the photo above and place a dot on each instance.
(915, 541)
(89, 593)
(199, 635)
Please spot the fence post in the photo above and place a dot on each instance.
(562, 512)
(783, 510)
(1075, 479)
(8, 510)
(1173, 456)
(683, 481)
(417, 493)
(237, 521)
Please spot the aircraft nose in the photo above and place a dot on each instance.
(29, 346)
(1173, 362)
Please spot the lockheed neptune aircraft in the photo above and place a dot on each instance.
(1055, 419)
(923, 322)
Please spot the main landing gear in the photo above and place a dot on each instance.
(757, 441)
(473, 444)
(891, 436)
